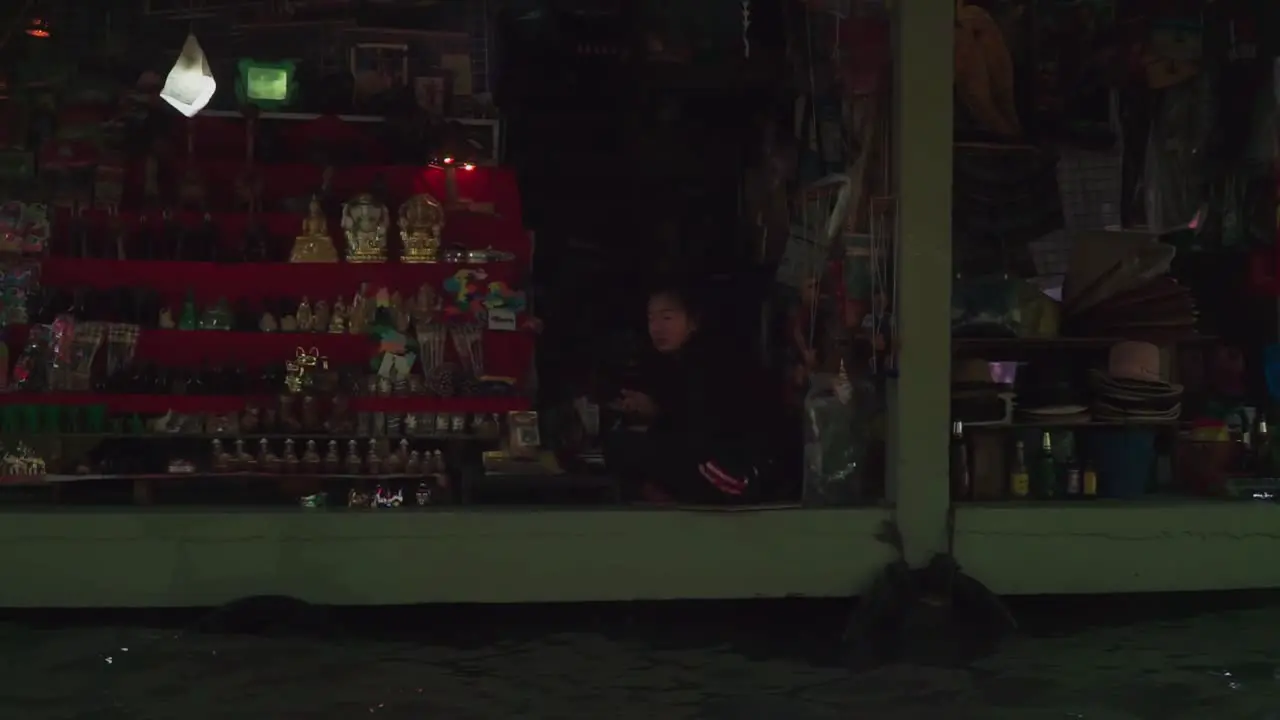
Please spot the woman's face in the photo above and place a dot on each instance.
(670, 326)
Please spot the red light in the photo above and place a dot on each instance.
(38, 28)
(448, 161)
(468, 166)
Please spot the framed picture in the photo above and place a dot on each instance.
(430, 93)
(389, 61)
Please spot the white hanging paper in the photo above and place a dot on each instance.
(190, 84)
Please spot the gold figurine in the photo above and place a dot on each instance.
(314, 245)
(421, 223)
(338, 316)
(364, 222)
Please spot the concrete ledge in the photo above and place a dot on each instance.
(176, 558)
(1104, 547)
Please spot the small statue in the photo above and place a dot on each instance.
(303, 315)
(320, 317)
(354, 464)
(310, 414)
(217, 316)
(356, 315)
(436, 466)
(290, 457)
(243, 460)
(267, 323)
(332, 460)
(421, 223)
(314, 244)
(289, 419)
(372, 461)
(422, 496)
(189, 319)
(311, 457)
(166, 319)
(364, 222)
(413, 465)
(266, 459)
(338, 317)
(221, 461)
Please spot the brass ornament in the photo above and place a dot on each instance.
(364, 222)
(314, 245)
(421, 225)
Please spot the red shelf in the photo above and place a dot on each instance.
(466, 229)
(285, 185)
(253, 349)
(160, 404)
(210, 281)
(507, 354)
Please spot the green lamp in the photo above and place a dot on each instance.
(268, 85)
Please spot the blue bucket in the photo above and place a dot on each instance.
(1123, 459)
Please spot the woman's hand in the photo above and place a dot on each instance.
(636, 404)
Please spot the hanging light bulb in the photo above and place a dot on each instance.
(38, 28)
(190, 84)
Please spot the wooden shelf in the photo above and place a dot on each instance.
(1017, 346)
(1090, 425)
(193, 404)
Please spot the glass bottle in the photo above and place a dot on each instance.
(1046, 468)
(1089, 482)
(1263, 466)
(960, 485)
(1020, 479)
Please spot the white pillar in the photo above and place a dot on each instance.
(919, 399)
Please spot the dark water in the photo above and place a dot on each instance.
(1135, 659)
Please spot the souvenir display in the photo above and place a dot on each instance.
(384, 395)
(314, 244)
(364, 222)
(421, 222)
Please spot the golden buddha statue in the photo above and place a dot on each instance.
(421, 223)
(364, 222)
(314, 245)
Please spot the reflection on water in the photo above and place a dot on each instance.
(1221, 665)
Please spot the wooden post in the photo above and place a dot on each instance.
(919, 400)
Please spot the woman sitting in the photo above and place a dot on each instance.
(708, 413)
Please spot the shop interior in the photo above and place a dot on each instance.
(375, 268)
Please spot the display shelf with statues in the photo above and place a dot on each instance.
(343, 292)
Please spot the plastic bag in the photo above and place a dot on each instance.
(837, 433)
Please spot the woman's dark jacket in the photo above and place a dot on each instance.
(717, 406)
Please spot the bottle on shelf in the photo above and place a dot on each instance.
(1046, 468)
(1072, 477)
(1089, 482)
(960, 484)
(1262, 449)
(1244, 443)
(1019, 479)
